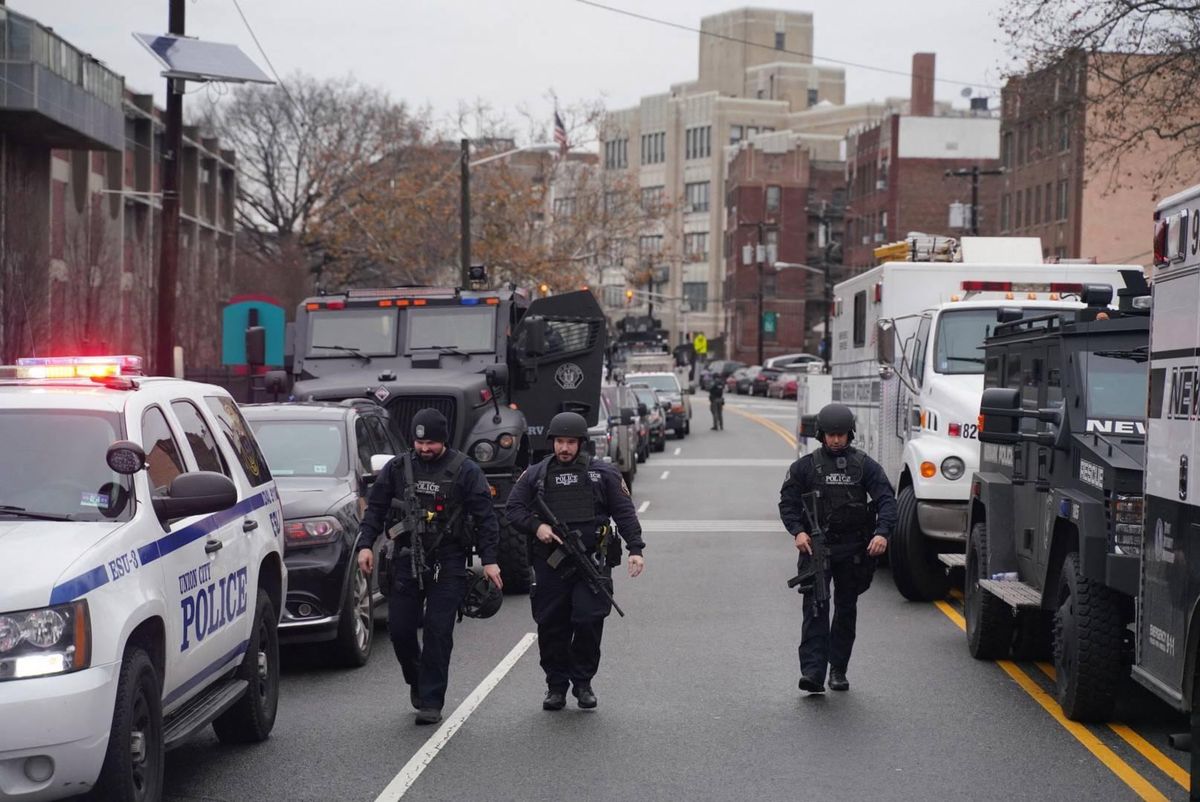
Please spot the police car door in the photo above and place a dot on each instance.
(197, 555)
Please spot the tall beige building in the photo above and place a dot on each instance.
(756, 77)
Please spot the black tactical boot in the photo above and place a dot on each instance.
(429, 715)
(586, 696)
(414, 698)
(811, 685)
(555, 700)
(837, 680)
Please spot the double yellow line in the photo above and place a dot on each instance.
(782, 431)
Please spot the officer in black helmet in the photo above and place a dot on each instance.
(857, 511)
(583, 495)
(455, 505)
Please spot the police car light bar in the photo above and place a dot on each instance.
(1012, 286)
(73, 367)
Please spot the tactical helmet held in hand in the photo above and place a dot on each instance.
(835, 419)
(568, 424)
(483, 599)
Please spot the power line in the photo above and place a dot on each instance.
(740, 41)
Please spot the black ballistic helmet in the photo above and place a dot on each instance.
(429, 424)
(483, 599)
(835, 419)
(568, 424)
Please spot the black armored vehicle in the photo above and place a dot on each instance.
(496, 363)
(1055, 520)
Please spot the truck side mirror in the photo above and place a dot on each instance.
(1000, 411)
(497, 375)
(808, 425)
(275, 382)
(1098, 295)
(642, 410)
(627, 415)
(885, 342)
(535, 336)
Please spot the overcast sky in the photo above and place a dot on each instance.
(512, 52)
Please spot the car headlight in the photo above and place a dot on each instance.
(46, 641)
(953, 468)
(483, 451)
(304, 532)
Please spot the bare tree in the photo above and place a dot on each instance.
(1136, 63)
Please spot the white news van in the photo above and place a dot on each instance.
(907, 360)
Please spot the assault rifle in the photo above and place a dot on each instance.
(418, 523)
(572, 548)
(811, 578)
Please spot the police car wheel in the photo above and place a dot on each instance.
(133, 764)
(251, 718)
(356, 626)
(1088, 631)
(989, 619)
(915, 568)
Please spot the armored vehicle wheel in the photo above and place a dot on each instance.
(133, 764)
(356, 626)
(915, 569)
(514, 560)
(989, 619)
(251, 718)
(1088, 628)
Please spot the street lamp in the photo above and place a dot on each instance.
(824, 273)
(465, 198)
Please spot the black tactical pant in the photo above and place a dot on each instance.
(426, 662)
(717, 407)
(570, 621)
(822, 646)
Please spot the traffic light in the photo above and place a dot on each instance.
(628, 297)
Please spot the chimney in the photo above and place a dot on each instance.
(921, 104)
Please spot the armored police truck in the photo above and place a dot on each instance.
(1056, 506)
(497, 364)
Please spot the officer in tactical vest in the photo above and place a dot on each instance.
(857, 510)
(453, 510)
(583, 495)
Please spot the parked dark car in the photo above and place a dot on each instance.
(321, 455)
(720, 368)
(741, 380)
(654, 416)
(762, 381)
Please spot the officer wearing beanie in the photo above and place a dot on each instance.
(583, 495)
(857, 510)
(455, 505)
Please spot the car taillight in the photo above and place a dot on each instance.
(311, 532)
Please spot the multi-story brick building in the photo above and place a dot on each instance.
(80, 202)
(896, 170)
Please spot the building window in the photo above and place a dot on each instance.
(1037, 136)
(1006, 150)
(698, 142)
(650, 245)
(616, 154)
(1064, 131)
(813, 96)
(735, 134)
(772, 239)
(1049, 193)
(1020, 216)
(564, 207)
(1062, 200)
(779, 40)
(1005, 212)
(654, 148)
(652, 199)
(696, 196)
(1037, 204)
(1022, 144)
(773, 198)
(695, 246)
(696, 295)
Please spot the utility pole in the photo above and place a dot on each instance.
(465, 213)
(973, 172)
(761, 254)
(168, 266)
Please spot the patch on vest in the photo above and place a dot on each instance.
(843, 479)
(428, 487)
(594, 476)
(565, 479)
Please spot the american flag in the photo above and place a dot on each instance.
(560, 134)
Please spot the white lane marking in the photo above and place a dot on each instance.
(425, 755)
(643, 507)
(710, 525)
(677, 451)
(665, 475)
(696, 462)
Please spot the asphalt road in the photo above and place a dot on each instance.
(697, 686)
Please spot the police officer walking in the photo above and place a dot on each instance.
(856, 532)
(716, 402)
(583, 495)
(452, 498)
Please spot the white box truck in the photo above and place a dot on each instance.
(907, 358)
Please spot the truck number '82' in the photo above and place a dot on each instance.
(967, 431)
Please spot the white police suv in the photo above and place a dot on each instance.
(141, 576)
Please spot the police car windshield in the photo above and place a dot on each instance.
(1116, 388)
(53, 464)
(958, 342)
(302, 448)
(465, 328)
(339, 333)
(663, 382)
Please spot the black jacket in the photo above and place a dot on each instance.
(612, 494)
(802, 478)
(473, 492)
